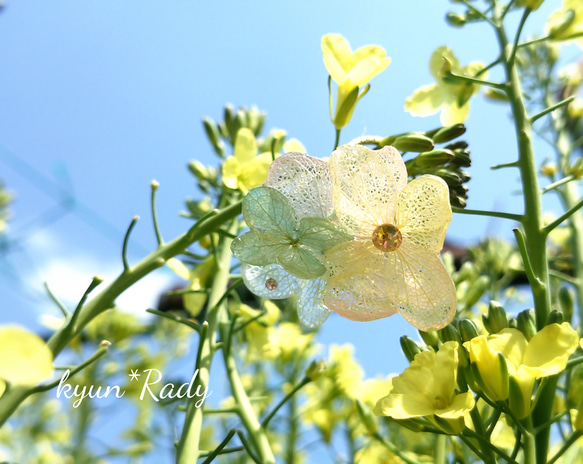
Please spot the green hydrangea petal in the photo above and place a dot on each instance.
(300, 262)
(269, 213)
(320, 234)
(251, 248)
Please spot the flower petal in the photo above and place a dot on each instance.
(461, 405)
(424, 212)
(426, 100)
(245, 146)
(337, 53)
(453, 114)
(367, 62)
(512, 344)
(320, 234)
(252, 248)
(231, 168)
(312, 312)
(254, 173)
(365, 185)
(305, 181)
(256, 279)
(269, 213)
(300, 262)
(437, 61)
(401, 406)
(548, 351)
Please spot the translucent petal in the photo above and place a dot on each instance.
(426, 100)
(300, 262)
(365, 184)
(424, 212)
(336, 52)
(245, 146)
(251, 248)
(26, 358)
(320, 234)
(312, 312)
(349, 258)
(367, 62)
(453, 114)
(256, 277)
(269, 213)
(436, 62)
(305, 181)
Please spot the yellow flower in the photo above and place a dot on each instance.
(567, 23)
(508, 364)
(392, 265)
(194, 302)
(532, 4)
(452, 98)
(351, 71)
(25, 359)
(344, 370)
(428, 387)
(245, 169)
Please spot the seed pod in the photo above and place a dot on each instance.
(446, 134)
(434, 158)
(414, 142)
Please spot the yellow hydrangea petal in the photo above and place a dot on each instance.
(426, 100)
(365, 184)
(336, 52)
(352, 257)
(436, 62)
(424, 212)
(245, 146)
(25, 359)
(367, 62)
(548, 351)
(453, 114)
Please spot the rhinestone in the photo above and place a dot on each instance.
(271, 284)
(386, 237)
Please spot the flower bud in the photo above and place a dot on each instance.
(256, 119)
(455, 145)
(549, 169)
(461, 158)
(413, 142)
(562, 24)
(566, 302)
(199, 170)
(410, 347)
(468, 329)
(449, 334)
(430, 338)
(454, 19)
(576, 168)
(434, 158)
(451, 178)
(367, 418)
(496, 319)
(495, 95)
(477, 289)
(212, 133)
(526, 323)
(532, 4)
(555, 317)
(315, 369)
(446, 134)
(229, 114)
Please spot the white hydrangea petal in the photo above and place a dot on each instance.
(305, 181)
(312, 312)
(365, 185)
(256, 279)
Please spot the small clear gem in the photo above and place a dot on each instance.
(387, 237)
(271, 284)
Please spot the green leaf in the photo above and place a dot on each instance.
(253, 249)
(300, 262)
(270, 214)
(320, 234)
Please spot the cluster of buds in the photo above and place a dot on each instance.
(445, 162)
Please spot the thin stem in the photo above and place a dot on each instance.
(440, 449)
(393, 449)
(479, 12)
(534, 41)
(154, 185)
(247, 447)
(481, 432)
(525, 15)
(528, 442)
(552, 108)
(513, 164)
(219, 448)
(337, 140)
(173, 317)
(564, 216)
(94, 283)
(330, 97)
(474, 80)
(521, 242)
(284, 400)
(60, 305)
(124, 248)
(554, 185)
(570, 441)
(498, 214)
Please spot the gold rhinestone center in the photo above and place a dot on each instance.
(386, 237)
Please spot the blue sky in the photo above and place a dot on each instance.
(100, 97)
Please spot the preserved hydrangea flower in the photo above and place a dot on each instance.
(392, 265)
(304, 184)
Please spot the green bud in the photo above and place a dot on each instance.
(463, 175)
(413, 142)
(461, 158)
(434, 158)
(223, 130)
(560, 26)
(446, 134)
(455, 20)
(212, 131)
(344, 112)
(410, 347)
(477, 289)
(526, 323)
(229, 114)
(430, 338)
(496, 319)
(518, 400)
(459, 144)
(457, 201)
(199, 208)
(576, 168)
(555, 317)
(387, 141)
(199, 170)
(472, 15)
(315, 369)
(451, 178)
(468, 329)
(495, 95)
(367, 418)
(275, 139)
(449, 334)
(566, 302)
(255, 119)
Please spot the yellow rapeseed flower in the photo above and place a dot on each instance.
(351, 71)
(428, 387)
(245, 169)
(567, 23)
(392, 265)
(452, 98)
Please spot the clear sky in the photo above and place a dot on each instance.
(97, 98)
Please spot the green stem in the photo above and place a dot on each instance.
(337, 140)
(528, 443)
(473, 80)
(513, 217)
(563, 217)
(393, 449)
(481, 432)
(285, 399)
(572, 439)
(159, 238)
(187, 450)
(124, 248)
(559, 183)
(440, 449)
(552, 108)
